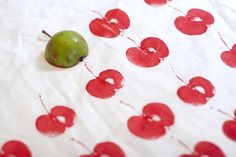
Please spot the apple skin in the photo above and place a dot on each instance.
(189, 26)
(15, 148)
(66, 49)
(229, 57)
(205, 148)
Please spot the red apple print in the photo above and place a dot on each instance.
(190, 94)
(106, 149)
(14, 148)
(229, 57)
(207, 149)
(54, 123)
(156, 2)
(229, 128)
(153, 123)
(111, 25)
(106, 84)
(196, 22)
(149, 54)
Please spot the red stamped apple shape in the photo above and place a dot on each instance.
(156, 2)
(153, 122)
(14, 148)
(229, 57)
(190, 93)
(207, 149)
(149, 54)
(196, 22)
(106, 84)
(56, 121)
(111, 25)
(229, 128)
(106, 149)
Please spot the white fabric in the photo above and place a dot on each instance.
(25, 73)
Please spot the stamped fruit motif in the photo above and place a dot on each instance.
(103, 149)
(229, 57)
(152, 123)
(110, 26)
(196, 22)
(149, 54)
(106, 84)
(156, 2)
(14, 148)
(191, 94)
(205, 148)
(229, 128)
(56, 121)
(65, 49)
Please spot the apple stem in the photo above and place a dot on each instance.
(97, 12)
(132, 40)
(44, 106)
(177, 10)
(86, 66)
(83, 145)
(185, 146)
(172, 69)
(225, 113)
(223, 41)
(130, 106)
(46, 33)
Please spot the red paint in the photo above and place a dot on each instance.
(229, 57)
(106, 149)
(229, 128)
(111, 25)
(189, 93)
(50, 124)
(146, 126)
(205, 148)
(149, 54)
(15, 148)
(196, 22)
(156, 2)
(100, 87)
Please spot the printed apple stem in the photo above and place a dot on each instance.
(224, 41)
(97, 12)
(177, 9)
(172, 69)
(132, 107)
(132, 40)
(46, 33)
(83, 145)
(86, 66)
(44, 106)
(185, 146)
(224, 113)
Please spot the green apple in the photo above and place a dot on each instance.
(65, 49)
